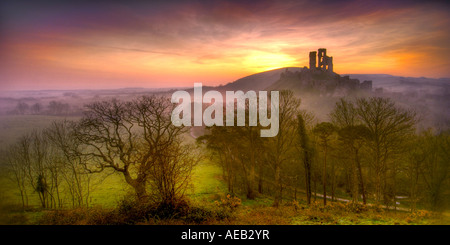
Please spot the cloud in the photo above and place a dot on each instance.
(220, 40)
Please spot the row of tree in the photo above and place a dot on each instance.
(368, 151)
(53, 108)
(41, 162)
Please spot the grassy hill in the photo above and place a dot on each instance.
(257, 82)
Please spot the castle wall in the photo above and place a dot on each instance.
(312, 59)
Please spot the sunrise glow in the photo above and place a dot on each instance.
(176, 43)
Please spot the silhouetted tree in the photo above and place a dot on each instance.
(306, 155)
(281, 147)
(36, 108)
(389, 127)
(344, 114)
(353, 138)
(432, 163)
(220, 142)
(70, 163)
(58, 108)
(18, 170)
(324, 131)
(22, 107)
(138, 140)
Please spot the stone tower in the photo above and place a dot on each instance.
(324, 62)
(312, 59)
(322, 58)
(329, 64)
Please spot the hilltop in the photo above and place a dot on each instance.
(319, 81)
(258, 81)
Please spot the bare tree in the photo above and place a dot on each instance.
(36, 108)
(324, 131)
(136, 139)
(353, 138)
(22, 107)
(239, 151)
(70, 164)
(306, 155)
(433, 163)
(58, 108)
(281, 147)
(220, 142)
(344, 114)
(251, 148)
(30, 153)
(389, 127)
(18, 171)
(170, 175)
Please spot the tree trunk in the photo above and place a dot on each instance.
(307, 166)
(251, 179)
(325, 177)
(378, 186)
(355, 185)
(260, 180)
(360, 177)
(138, 185)
(333, 180)
(277, 200)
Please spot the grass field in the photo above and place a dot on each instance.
(206, 182)
(14, 126)
(207, 191)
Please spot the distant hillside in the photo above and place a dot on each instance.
(429, 97)
(406, 84)
(284, 78)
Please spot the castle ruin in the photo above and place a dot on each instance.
(325, 63)
(321, 78)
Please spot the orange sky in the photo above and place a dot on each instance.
(74, 45)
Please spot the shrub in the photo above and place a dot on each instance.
(131, 211)
(356, 207)
(420, 214)
(63, 217)
(171, 210)
(199, 215)
(229, 202)
(226, 206)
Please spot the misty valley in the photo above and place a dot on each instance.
(235, 102)
(345, 153)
